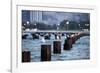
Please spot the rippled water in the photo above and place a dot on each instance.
(80, 50)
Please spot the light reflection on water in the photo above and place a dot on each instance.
(80, 50)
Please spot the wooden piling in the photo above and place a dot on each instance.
(57, 36)
(47, 37)
(68, 44)
(45, 52)
(63, 34)
(57, 47)
(24, 36)
(35, 36)
(73, 40)
(26, 56)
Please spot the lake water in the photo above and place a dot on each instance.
(79, 51)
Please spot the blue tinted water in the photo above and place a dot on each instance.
(80, 50)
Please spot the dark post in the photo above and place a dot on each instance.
(47, 37)
(76, 37)
(57, 35)
(26, 56)
(57, 47)
(73, 40)
(63, 34)
(35, 36)
(45, 52)
(68, 43)
(24, 36)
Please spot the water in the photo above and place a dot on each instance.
(80, 50)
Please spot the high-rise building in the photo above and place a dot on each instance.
(25, 15)
(35, 16)
(51, 18)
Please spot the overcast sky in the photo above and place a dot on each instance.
(53, 17)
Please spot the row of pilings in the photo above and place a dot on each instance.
(46, 48)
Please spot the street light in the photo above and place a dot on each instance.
(58, 26)
(79, 26)
(87, 26)
(28, 22)
(67, 23)
(35, 27)
(35, 24)
(24, 24)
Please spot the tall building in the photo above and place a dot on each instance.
(25, 15)
(35, 16)
(51, 17)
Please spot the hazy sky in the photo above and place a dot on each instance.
(52, 17)
(60, 16)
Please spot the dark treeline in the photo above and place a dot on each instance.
(63, 26)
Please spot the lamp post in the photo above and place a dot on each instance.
(35, 24)
(23, 27)
(67, 23)
(58, 26)
(35, 27)
(87, 26)
(79, 26)
(28, 25)
(28, 22)
(24, 24)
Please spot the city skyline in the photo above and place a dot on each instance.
(53, 17)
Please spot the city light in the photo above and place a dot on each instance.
(28, 22)
(67, 24)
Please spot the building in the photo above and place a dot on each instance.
(52, 17)
(25, 15)
(35, 16)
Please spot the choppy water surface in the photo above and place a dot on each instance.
(80, 50)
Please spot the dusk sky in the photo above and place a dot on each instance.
(52, 17)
